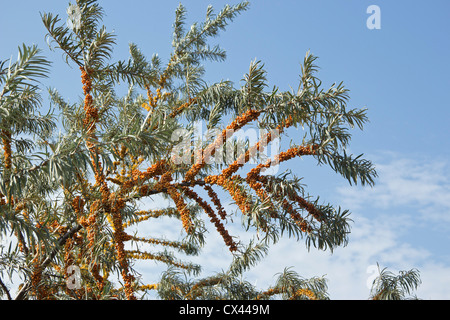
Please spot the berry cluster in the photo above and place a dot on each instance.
(6, 140)
(243, 119)
(143, 255)
(120, 237)
(296, 217)
(304, 292)
(148, 287)
(182, 208)
(233, 188)
(185, 105)
(215, 199)
(300, 292)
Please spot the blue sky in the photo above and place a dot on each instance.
(399, 72)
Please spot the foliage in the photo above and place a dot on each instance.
(71, 198)
(388, 286)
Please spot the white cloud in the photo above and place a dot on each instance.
(435, 282)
